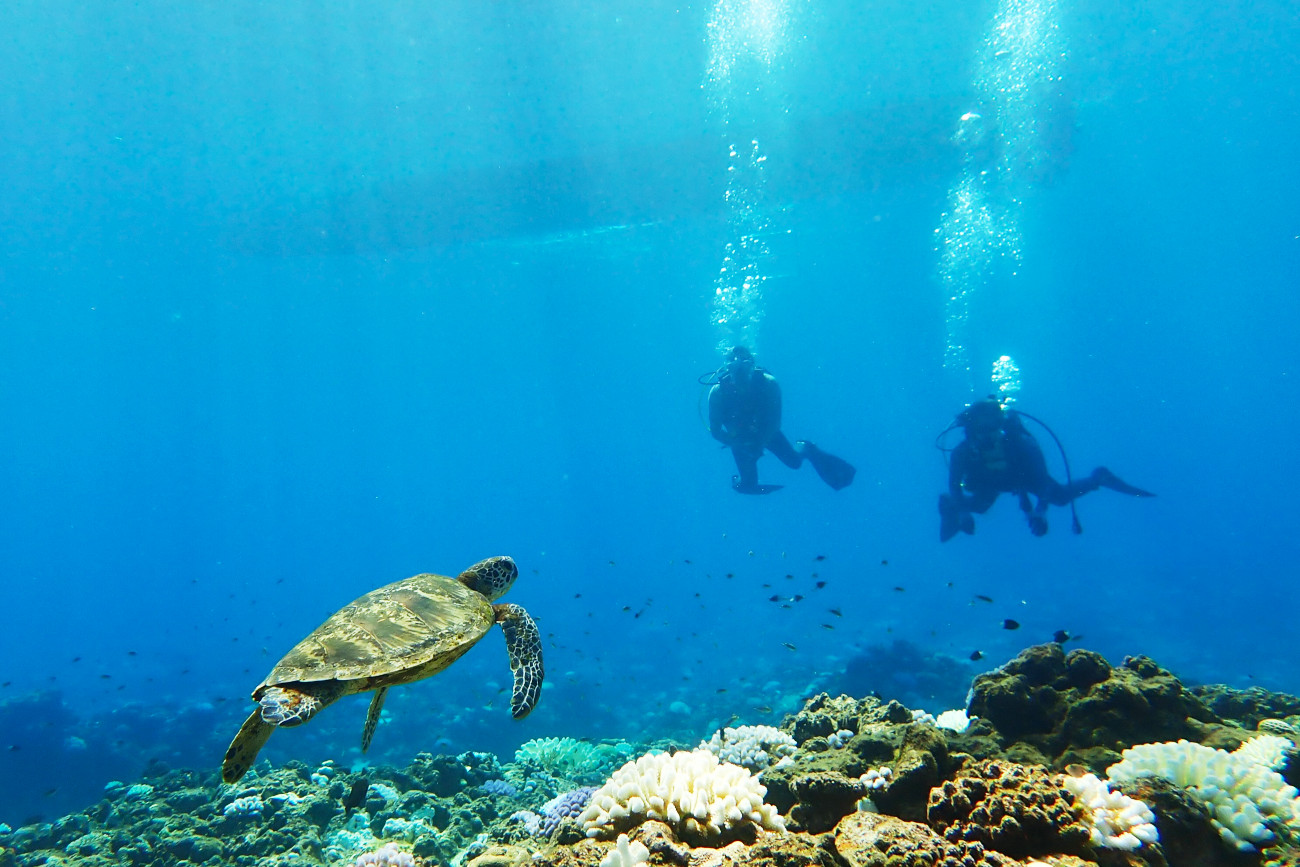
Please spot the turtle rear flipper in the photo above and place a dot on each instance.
(243, 750)
(524, 644)
(372, 717)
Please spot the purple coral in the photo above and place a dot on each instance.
(566, 806)
(499, 788)
(387, 855)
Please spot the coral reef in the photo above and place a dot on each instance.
(846, 782)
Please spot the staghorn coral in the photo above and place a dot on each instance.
(1017, 810)
(1248, 801)
(703, 799)
(1116, 821)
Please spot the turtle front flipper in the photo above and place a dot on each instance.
(524, 644)
(243, 750)
(287, 706)
(372, 717)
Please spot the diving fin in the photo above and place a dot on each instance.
(836, 472)
(1106, 479)
(754, 488)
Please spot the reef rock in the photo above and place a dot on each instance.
(1076, 708)
(875, 840)
(1017, 810)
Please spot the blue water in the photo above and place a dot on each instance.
(299, 299)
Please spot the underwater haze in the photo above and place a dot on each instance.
(299, 299)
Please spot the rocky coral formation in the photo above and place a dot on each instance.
(1049, 707)
(821, 784)
(1017, 810)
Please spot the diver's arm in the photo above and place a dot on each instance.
(716, 426)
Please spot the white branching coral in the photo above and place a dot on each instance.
(704, 799)
(626, 854)
(1241, 790)
(1116, 821)
(754, 747)
(953, 720)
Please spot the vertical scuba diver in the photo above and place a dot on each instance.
(745, 416)
(1000, 456)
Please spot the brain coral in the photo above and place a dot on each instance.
(703, 799)
(1017, 810)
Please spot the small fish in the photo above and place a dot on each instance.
(627, 607)
(981, 597)
(820, 557)
(611, 562)
(1060, 636)
(774, 598)
(785, 605)
(731, 574)
(131, 653)
(820, 584)
(763, 709)
(788, 646)
(720, 690)
(884, 562)
(900, 589)
(49, 792)
(577, 595)
(789, 577)
(638, 614)
(687, 562)
(1010, 624)
(827, 626)
(976, 656)
(767, 586)
(356, 796)
(836, 612)
(76, 659)
(796, 598)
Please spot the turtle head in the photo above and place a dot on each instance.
(491, 577)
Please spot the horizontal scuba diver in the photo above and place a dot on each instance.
(745, 416)
(1000, 456)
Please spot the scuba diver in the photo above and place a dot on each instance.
(745, 416)
(999, 455)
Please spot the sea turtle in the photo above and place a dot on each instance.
(398, 634)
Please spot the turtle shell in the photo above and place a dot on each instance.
(399, 627)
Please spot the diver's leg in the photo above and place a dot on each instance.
(1104, 478)
(786, 453)
(746, 466)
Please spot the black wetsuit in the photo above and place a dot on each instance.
(1013, 464)
(747, 419)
